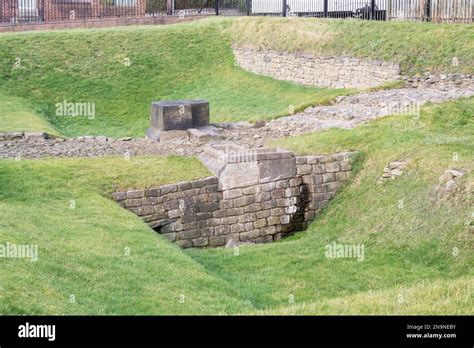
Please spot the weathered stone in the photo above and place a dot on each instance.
(332, 167)
(309, 70)
(171, 115)
(153, 134)
(245, 236)
(243, 201)
(304, 169)
(168, 189)
(189, 234)
(135, 194)
(204, 134)
(119, 196)
(217, 241)
(277, 169)
(222, 229)
(200, 242)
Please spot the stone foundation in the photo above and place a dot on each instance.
(255, 199)
(309, 70)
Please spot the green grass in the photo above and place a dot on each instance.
(445, 296)
(408, 251)
(418, 47)
(192, 60)
(16, 114)
(82, 251)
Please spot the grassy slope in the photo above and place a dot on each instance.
(194, 60)
(403, 246)
(444, 296)
(16, 114)
(191, 60)
(82, 250)
(418, 47)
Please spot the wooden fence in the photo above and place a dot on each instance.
(452, 11)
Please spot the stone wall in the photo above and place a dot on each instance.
(309, 70)
(213, 212)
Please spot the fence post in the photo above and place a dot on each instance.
(217, 7)
(169, 7)
(427, 14)
(247, 5)
(325, 8)
(372, 9)
(284, 7)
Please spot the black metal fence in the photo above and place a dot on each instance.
(364, 9)
(14, 12)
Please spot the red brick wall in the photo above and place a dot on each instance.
(56, 10)
(100, 23)
(8, 10)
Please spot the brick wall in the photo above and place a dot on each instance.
(99, 23)
(309, 70)
(203, 213)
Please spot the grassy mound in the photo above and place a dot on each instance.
(122, 70)
(93, 257)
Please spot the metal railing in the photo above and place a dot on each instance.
(15, 12)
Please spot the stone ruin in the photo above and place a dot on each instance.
(254, 196)
(186, 118)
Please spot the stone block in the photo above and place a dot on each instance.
(332, 167)
(247, 217)
(200, 242)
(269, 230)
(171, 115)
(273, 220)
(248, 235)
(199, 112)
(216, 241)
(136, 194)
(254, 207)
(119, 196)
(221, 230)
(153, 134)
(329, 177)
(189, 234)
(238, 227)
(277, 169)
(168, 189)
(303, 169)
(264, 239)
(243, 201)
(133, 203)
(260, 223)
(204, 134)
